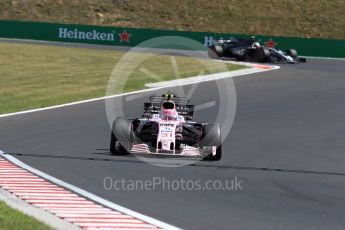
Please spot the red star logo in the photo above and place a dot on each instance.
(271, 43)
(124, 36)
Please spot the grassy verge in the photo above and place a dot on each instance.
(11, 219)
(35, 76)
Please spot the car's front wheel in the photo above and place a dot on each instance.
(292, 53)
(121, 136)
(211, 136)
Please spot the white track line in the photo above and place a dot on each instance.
(255, 68)
(93, 205)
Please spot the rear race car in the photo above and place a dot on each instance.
(166, 129)
(242, 49)
(239, 49)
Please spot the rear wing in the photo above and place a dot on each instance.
(176, 100)
(181, 103)
(154, 108)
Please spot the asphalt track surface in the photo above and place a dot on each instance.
(286, 146)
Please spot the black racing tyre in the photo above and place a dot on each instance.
(215, 52)
(292, 53)
(262, 55)
(247, 56)
(115, 148)
(121, 137)
(211, 136)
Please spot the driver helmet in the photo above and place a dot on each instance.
(168, 110)
(256, 45)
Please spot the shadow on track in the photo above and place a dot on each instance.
(201, 164)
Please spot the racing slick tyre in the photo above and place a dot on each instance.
(292, 53)
(262, 55)
(121, 136)
(211, 137)
(215, 52)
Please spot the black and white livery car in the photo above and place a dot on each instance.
(243, 49)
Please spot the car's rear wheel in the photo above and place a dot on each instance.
(211, 136)
(215, 52)
(121, 137)
(262, 55)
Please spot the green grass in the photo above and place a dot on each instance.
(303, 18)
(35, 76)
(11, 219)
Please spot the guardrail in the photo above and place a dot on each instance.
(117, 36)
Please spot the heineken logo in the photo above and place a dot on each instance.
(93, 35)
(208, 41)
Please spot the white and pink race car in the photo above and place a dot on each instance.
(166, 129)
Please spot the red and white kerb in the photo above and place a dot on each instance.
(63, 203)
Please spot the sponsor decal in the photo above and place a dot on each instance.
(85, 35)
(168, 135)
(166, 129)
(180, 118)
(155, 116)
(271, 43)
(208, 41)
(93, 35)
(124, 36)
(167, 124)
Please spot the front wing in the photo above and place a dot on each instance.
(187, 151)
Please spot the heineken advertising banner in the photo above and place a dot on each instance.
(116, 36)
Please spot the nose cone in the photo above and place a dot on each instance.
(289, 59)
